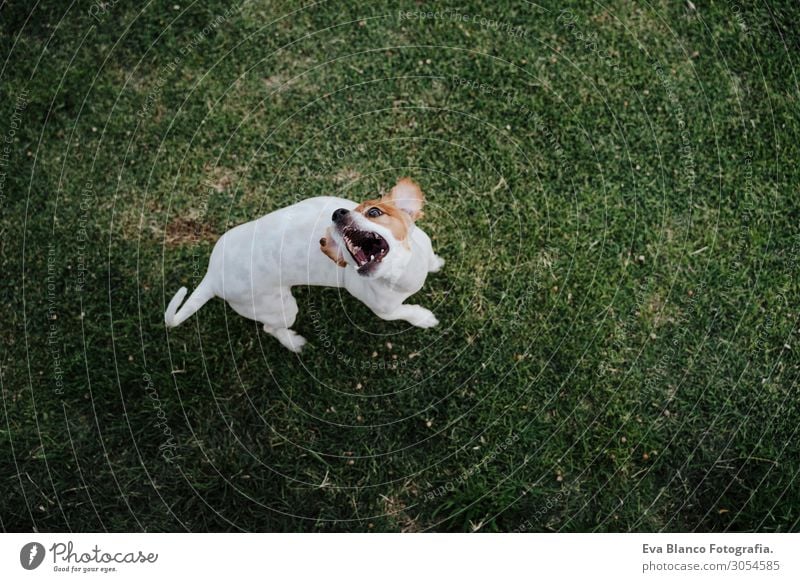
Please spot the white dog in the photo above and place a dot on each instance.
(373, 249)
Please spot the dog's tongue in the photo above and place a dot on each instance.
(361, 257)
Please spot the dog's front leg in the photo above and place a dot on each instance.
(414, 314)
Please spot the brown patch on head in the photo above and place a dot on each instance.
(391, 217)
(399, 208)
(331, 249)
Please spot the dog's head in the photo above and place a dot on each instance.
(374, 237)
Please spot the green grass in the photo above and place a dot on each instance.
(615, 192)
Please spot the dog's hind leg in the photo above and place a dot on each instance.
(278, 314)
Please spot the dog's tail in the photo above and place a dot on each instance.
(174, 316)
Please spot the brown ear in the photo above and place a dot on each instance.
(407, 196)
(328, 246)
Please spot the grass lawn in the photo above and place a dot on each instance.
(614, 189)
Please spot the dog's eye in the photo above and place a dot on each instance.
(374, 212)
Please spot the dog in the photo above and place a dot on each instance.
(373, 249)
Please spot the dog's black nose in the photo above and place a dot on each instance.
(338, 213)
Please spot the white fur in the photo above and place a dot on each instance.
(254, 266)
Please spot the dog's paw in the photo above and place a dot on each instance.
(438, 263)
(423, 318)
(290, 339)
(295, 342)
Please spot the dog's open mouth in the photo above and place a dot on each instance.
(367, 248)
